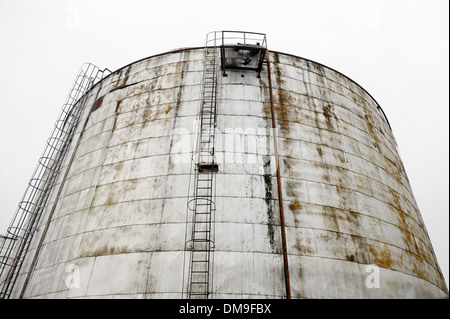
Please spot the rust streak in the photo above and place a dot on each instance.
(280, 196)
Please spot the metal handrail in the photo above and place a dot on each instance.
(246, 38)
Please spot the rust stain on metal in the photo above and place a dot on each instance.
(295, 206)
(280, 193)
(382, 257)
(372, 130)
(268, 199)
(168, 109)
(408, 237)
(329, 114)
(122, 83)
(116, 112)
(282, 111)
(284, 100)
(97, 104)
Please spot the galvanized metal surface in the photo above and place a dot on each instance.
(118, 229)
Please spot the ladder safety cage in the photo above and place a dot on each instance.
(202, 206)
(15, 244)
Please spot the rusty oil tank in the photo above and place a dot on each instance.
(307, 197)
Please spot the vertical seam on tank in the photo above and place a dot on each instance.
(280, 196)
(55, 203)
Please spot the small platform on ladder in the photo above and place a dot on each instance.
(242, 51)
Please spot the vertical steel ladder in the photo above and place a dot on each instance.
(26, 219)
(202, 205)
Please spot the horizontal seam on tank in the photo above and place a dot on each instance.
(161, 89)
(326, 77)
(260, 175)
(370, 216)
(167, 197)
(134, 109)
(356, 191)
(153, 90)
(168, 154)
(337, 72)
(193, 115)
(372, 239)
(156, 198)
(325, 88)
(298, 106)
(263, 101)
(336, 132)
(353, 154)
(248, 252)
(149, 58)
(144, 251)
(137, 124)
(174, 154)
(344, 151)
(134, 140)
(360, 213)
(155, 223)
(222, 173)
(150, 70)
(150, 80)
(350, 170)
(287, 138)
(391, 269)
(308, 94)
(263, 117)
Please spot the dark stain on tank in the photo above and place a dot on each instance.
(295, 206)
(319, 151)
(361, 254)
(407, 236)
(329, 114)
(284, 99)
(97, 104)
(122, 81)
(330, 218)
(178, 82)
(372, 130)
(268, 199)
(380, 254)
(116, 112)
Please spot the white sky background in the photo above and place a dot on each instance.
(398, 50)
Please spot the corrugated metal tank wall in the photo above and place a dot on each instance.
(118, 215)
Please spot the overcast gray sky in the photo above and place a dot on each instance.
(398, 50)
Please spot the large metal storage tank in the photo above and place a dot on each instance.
(119, 220)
